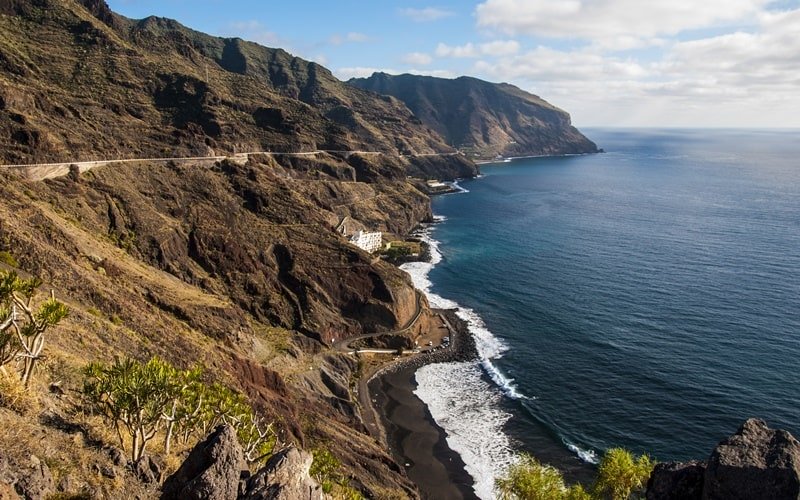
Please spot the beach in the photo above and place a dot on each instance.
(415, 440)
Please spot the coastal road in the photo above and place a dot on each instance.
(343, 345)
(42, 171)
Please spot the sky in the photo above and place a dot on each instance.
(624, 63)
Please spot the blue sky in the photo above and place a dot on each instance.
(718, 63)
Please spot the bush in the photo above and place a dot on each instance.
(326, 470)
(22, 326)
(7, 258)
(620, 476)
(146, 398)
(529, 478)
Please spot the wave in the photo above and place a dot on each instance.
(469, 411)
(589, 456)
(457, 186)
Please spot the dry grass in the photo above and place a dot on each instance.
(14, 395)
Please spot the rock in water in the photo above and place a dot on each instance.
(755, 463)
(676, 481)
(211, 471)
(284, 477)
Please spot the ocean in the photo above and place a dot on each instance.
(648, 298)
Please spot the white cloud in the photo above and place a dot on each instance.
(253, 31)
(739, 78)
(360, 72)
(352, 37)
(426, 15)
(618, 24)
(466, 50)
(364, 72)
(417, 58)
(495, 48)
(500, 48)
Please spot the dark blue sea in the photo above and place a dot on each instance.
(648, 297)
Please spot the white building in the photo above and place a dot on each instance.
(367, 241)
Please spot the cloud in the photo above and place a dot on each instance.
(352, 37)
(616, 24)
(360, 72)
(495, 48)
(439, 73)
(364, 72)
(417, 58)
(425, 15)
(738, 78)
(253, 31)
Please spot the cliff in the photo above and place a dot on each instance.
(483, 119)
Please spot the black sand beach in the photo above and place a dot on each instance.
(415, 440)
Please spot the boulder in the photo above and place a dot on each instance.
(676, 481)
(284, 477)
(212, 470)
(755, 463)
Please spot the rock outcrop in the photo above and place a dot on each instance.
(756, 463)
(212, 470)
(284, 477)
(483, 119)
(29, 479)
(215, 470)
(678, 481)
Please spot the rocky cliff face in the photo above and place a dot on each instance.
(481, 118)
(755, 463)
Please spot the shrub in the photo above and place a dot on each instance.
(143, 399)
(326, 469)
(7, 258)
(529, 478)
(22, 326)
(621, 476)
(133, 396)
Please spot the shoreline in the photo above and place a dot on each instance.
(414, 439)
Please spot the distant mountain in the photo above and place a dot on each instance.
(483, 119)
(78, 81)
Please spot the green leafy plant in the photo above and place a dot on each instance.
(142, 399)
(22, 325)
(8, 259)
(621, 475)
(133, 396)
(529, 478)
(326, 470)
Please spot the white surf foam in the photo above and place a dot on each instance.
(461, 189)
(469, 410)
(589, 456)
(467, 407)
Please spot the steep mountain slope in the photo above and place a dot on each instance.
(235, 267)
(483, 119)
(80, 82)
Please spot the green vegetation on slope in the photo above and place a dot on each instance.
(620, 476)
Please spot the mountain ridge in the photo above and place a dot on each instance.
(483, 119)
